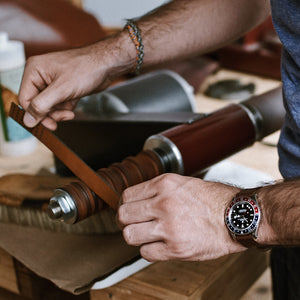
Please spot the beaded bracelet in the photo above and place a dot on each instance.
(136, 38)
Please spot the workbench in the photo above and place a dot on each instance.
(228, 277)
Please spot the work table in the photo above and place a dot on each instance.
(227, 278)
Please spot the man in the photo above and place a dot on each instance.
(172, 216)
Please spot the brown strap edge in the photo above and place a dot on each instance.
(69, 158)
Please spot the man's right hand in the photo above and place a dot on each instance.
(52, 83)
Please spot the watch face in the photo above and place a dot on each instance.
(242, 216)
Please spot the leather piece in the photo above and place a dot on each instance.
(70, 159)
(48, 25)
(72, 262)
(247, 241)
(131, 171)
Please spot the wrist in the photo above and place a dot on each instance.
(115, 54)
(252, 228)
(244, 219)
(266, 235)
(124, 54)
(231, 244)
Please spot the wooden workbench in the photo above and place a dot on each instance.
(225, 278)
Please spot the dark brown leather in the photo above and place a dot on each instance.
(48, 25)
(247, 241)
(131, 171)
(70, 159)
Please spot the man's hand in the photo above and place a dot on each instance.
(173, 217)
(53, 83)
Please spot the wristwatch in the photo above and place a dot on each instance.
(242, 217)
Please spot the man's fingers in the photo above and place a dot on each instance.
(32, 84)
(67, 105)
(51, 120)
(42, 104)
(142, 233)
(49, 123)
(141, 191)
(61, 115)
(29, 120)
(135, 212)
(156, 251)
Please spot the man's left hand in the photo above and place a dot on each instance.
(175, 217)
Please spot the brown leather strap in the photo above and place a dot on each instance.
(248, 192)
(247, 241)
(69, 158)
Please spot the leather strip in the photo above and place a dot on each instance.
(247, 241)
(69, 158)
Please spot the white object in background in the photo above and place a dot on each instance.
(114, 13)
(121, 274)
(14, 139)
(232, 173)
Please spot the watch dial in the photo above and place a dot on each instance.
(242, 215)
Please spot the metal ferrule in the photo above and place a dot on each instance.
(167, 151)
(62, 207)
(255, 117)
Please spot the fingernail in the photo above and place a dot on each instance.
(29, 120)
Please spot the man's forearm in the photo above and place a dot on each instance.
(183, 28)
(179, 29)
(280, 204)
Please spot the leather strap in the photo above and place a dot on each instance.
(247, 241)
(69, 158)
(248, 192)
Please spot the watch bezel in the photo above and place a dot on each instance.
(251, 229)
